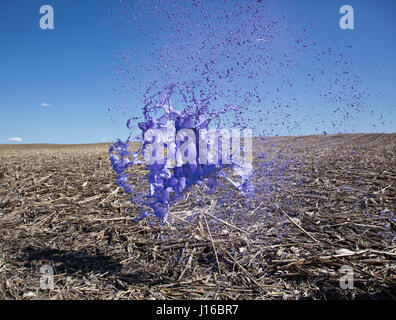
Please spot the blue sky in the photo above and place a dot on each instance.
(56, 85)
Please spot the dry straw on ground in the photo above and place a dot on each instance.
(333, 206)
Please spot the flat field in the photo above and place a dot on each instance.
(324, 210)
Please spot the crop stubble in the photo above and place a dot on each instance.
(333, 206)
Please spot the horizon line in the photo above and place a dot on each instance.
(255, 137)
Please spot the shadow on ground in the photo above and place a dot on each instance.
(80, 262)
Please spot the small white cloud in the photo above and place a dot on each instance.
(15, 139)
(45, 104)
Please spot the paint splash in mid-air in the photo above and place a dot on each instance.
(204, 64)
(171, 175)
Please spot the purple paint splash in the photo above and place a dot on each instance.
(240, 65)
(168, 183)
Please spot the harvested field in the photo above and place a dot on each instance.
(332, 206)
